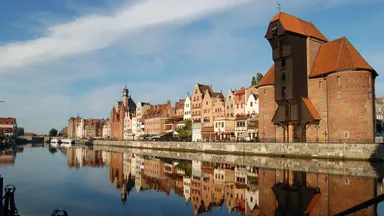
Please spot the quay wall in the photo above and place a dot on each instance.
(339, 151)
(336, 167)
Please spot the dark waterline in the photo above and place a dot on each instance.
(92, 182)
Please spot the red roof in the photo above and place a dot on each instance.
(311, 108)
(298, 26)
(7, 121)
(240, 91)
(338, 55)
(269, 77)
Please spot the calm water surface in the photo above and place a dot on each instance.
(93, 182)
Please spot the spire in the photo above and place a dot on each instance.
(278, 6)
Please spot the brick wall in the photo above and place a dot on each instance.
(351, 106)
(317, 93)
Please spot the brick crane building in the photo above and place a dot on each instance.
(316, 90)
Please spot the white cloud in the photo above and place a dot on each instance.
(142, 38)
(95, 32)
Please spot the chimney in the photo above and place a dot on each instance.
(169, 102)
(221, 91)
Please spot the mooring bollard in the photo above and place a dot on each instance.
(59, 212)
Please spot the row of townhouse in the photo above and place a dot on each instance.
(221, 116)
(81, 128)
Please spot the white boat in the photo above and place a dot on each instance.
(55, 140)
(66, 145)
(67, 141)
(54, 145)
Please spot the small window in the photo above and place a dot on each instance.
(320, 84)
(347, 181)
(338, 96)
(283, 62)
(251, 104)
(283, 77)
(369, 96)
(320, 99)
(265, 117)
(265, 104)
(346, 134)
(338, 80)
(265, 91)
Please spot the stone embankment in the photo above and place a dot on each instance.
(339, 151)
(337, 167)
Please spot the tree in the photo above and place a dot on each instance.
(53, 132)
(259, 76)
(253, 81)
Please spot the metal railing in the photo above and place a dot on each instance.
(8, 205)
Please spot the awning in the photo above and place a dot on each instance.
(208, 129)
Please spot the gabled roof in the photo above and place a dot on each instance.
(338, 55)
(217, 94)
(269, 78)
(180, 104)
(298, 26)
(203, 88)
(240, 91)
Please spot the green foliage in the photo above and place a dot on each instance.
(259, 76)
(53, 132)
(256, 79)
(253, 81)
(186, 130)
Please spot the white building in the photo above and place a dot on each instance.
(241, 174)
(80, 130)
(107, 130)
(187, 107)
(187, 187)
(196, 131)
(134, 125)
(252, 104)
(196, 168)
(127, 133)
(252, 197)
(241, 127)
(141, 107)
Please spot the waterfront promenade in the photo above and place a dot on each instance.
(339, 151)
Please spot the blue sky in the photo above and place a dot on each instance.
(64, 57)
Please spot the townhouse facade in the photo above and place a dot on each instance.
(187, 108)
(155, 118)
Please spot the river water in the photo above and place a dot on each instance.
(87, 181)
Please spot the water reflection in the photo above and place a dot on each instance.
(242, 189)
(200, 186)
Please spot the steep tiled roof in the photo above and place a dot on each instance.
(269, 78)
(203, 88)
(219, 94)
(311, 108)
(180, 104)
(338, 55)
(240, 91)
(299, 26)
(156, 111)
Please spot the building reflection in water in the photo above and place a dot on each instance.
(244, 189)
(8, 156)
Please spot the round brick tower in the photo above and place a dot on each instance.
(351, 106)
(349, 89)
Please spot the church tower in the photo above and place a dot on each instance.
(125, 96)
